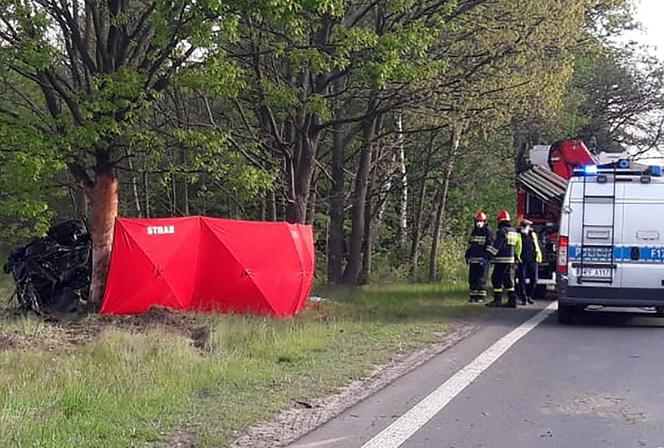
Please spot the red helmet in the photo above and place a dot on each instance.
(503, 215)
(480, 216)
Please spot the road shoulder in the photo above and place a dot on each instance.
(370, 415)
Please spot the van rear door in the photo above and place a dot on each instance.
(595, 219)
(642, 257)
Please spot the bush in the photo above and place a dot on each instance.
(451, 266)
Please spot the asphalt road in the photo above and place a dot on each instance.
(599, 383)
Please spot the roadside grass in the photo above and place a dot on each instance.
(142, 388)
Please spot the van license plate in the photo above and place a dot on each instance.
(595, 272)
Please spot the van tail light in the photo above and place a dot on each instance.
(563, 246)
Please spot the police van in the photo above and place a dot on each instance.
(611, 244)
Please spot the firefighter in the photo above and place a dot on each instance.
(502, 253)
(528, 256)
(480, 238)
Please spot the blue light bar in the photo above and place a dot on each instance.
(655, 170)
(590, 170)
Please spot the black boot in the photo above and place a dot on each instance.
(497, 299)
(523, 301)
(511, 301)
(530, 301)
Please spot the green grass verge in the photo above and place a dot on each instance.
(138, 389)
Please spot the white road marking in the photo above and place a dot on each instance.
(321, 443)
(403, 428)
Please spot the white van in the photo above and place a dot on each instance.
(611, 243)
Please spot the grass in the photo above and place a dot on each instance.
(139, 389)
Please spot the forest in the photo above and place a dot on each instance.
(384, 123)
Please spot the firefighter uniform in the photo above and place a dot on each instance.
(528, 256)
(502, 253)
(476, 256)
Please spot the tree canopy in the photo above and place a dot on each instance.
(385, 123)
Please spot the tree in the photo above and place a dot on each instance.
(94, 70)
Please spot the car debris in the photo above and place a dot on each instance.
(52, 274)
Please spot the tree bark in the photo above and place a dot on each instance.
(352, 273)
(403, 183)
(263, 213)
(146, 186)
(385, 189)
(174, 195)
(134, 186)
(442, 202)
(419, 212)
(102, 194)
(417, 232)
(367, 247)
(311, 204)
(335, 244)
(273, 206)
(301, 172)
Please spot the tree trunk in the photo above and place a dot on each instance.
(102, 195)
(186, 199)
(385, 190)
(403, 181)
(335, 244)
(263, 215)
(134, 187)
(146, 186)
(301, 171)
(311, 207)
(367, 248)
(79, 199)
(174, 195)
(417, 231)
(419, 212)
(442, 202)
(358, 217)
(273, 206)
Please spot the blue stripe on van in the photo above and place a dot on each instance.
(648, 254)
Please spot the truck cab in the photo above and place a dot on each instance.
(611, 242)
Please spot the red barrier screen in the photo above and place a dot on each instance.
(208, 264)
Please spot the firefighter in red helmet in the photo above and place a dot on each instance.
(476, 257)
(502, 253)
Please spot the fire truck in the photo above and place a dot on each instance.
(542, 176)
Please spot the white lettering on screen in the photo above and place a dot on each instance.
(161, 230)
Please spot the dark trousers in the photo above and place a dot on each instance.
(526, 271)
(502, 279)
(477, 280)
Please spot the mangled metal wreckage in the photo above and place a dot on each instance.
(52, 274)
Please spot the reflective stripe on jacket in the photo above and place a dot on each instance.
(503, 249)
(479, 240)
(520, 247)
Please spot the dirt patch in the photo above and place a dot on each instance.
(307, 415)
(64, 333)
(18, 341)
(177, 323)
(183, 440)
(607, 408)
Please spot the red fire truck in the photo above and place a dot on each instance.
(542, 175)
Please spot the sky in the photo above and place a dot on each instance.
(651, 14)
